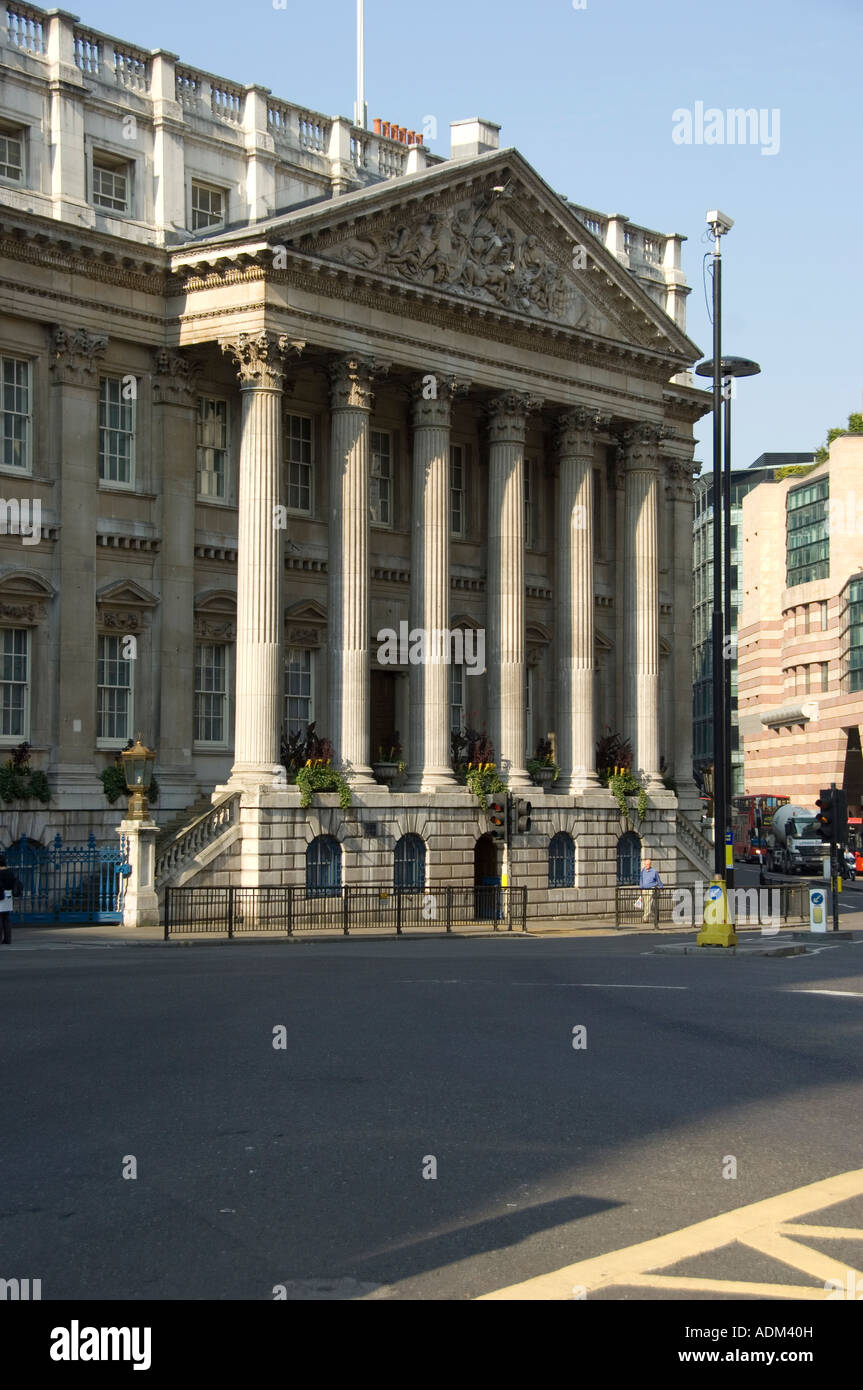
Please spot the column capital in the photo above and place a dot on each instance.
(175, 377)
(507, 414)
(641, 445)
(576, 430)
(260, 358)
(432, 398)
(679, 477)
(75, 355)
(352, 381)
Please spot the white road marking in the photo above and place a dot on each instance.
(836, 993)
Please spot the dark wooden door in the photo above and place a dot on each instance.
(383, 720)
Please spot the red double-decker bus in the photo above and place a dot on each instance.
(750, 820)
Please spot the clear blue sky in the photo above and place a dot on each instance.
(587, 96)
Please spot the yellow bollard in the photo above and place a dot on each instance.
(718, 928)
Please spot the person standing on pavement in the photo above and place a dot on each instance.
(649, 881)
(10, 888)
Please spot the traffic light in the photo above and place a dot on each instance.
(832, 818)
(521, 817)
(497, 816)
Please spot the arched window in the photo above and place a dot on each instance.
(324, 868)
(410, 864)
(629, 858)
(561, 861)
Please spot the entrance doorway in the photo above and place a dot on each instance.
(383, 712)
(488, 905)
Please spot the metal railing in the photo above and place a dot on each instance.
(239, 911)
(677, 909)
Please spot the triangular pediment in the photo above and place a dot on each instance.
(126, 593)
(306, 611)
(489, 233)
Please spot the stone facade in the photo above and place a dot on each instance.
(402, 390)
(800, 652)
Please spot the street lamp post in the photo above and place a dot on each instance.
(730, 367)
(138, 770)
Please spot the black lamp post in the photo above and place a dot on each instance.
(729, 367)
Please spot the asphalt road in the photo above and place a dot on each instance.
(302, 1166)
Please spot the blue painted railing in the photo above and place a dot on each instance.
(69, 883)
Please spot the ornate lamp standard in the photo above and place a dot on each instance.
(138, 770)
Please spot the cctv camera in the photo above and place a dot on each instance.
(720, 222)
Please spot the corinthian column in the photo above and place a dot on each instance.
(429, 681)
(350, 404)
(260, 362)
(576, 664)
(506, 641)
(641, 598)
(679, 492)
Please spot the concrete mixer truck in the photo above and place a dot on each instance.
(793, 844)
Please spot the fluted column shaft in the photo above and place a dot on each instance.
(350, 401)
(260, 362)
(505, 585)
(429, 760)
(641, 598)
(576, 661)
(679, 489)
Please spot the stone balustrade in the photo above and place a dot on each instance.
(196, 837)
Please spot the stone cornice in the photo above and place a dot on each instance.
(260, 358)
(76, 355)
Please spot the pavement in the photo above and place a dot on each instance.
(428, 1119)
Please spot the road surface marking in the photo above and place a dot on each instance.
(836, 993)
(767, 1226)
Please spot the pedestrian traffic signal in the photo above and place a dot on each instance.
(832, 818)
(521, 817)
(497, 816)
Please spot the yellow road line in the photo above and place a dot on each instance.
(751, 1225)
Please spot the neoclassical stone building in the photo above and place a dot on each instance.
(273, 385)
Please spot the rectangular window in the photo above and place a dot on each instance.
(12, 155)
(824, 619)
(531, 509)
(598, 530)
(208, 206)
(212, 447)
(114, 692)
(381, 480)
(807, 680)
(298, 448)
(14, 682)
(807, 533)
(855, 635)
(458, 510)
(825, 676)
(299, 692)
(111, 184)
(15, 408)
(456, 697)
(116, 430)
(806, 617)
(211, 692)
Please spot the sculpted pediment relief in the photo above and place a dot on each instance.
(489, 252)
